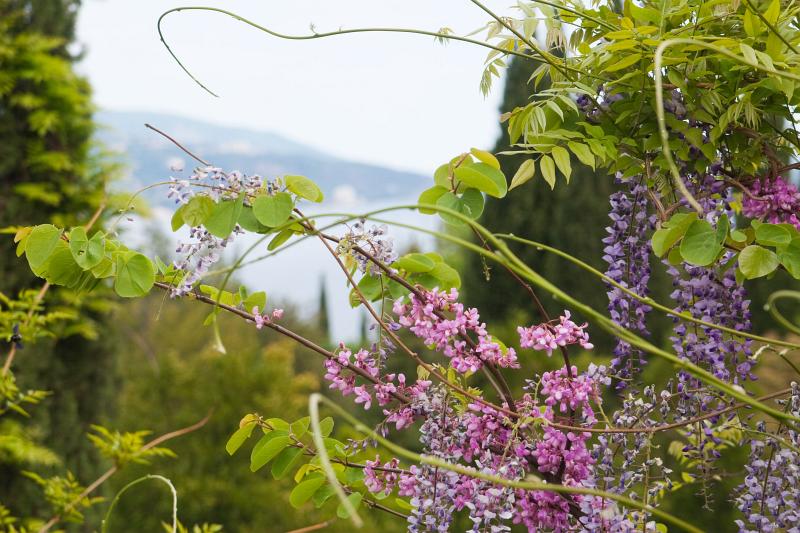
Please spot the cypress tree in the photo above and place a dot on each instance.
(571, 217)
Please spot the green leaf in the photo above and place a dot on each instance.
(524, 173)
(430, 196)
(303, 491)
(672, 231)
(548, 168)
(483, 177)
(414, 262)
(582, 152)
(267, 448)
(224, 217)
(748, 53)
(304, 188)
(485, 157)
(62, 268)
(441, 177)
(274, 210)
(699, 245)
(790, 258)
(257, 299)
(326, 426)
(355, 501)
(40, 244)
(473, 203)
(323, 495)
(177, 218)
(87, 252)
(625, 62)
(282, 236)
(755, 261)
(561, 157)
(370, 287)
(450, 201)
(135, 275)
(239, 437)
(197, 211)
(772, 235)
(285, 461)
(448, 276)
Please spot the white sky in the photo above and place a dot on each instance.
(397, 100)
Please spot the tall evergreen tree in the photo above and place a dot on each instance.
(49, 173)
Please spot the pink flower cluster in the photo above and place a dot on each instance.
(442, 323)
(266, 318)
(781, 202)
(379, 478)
(560, 451)
(570, 391)
(384, 389)
(550, 336)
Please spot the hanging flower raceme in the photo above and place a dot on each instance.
(627, 252)
(776, 201)
(373, 240)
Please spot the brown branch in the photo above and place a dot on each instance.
(283, 331)
(176, 143)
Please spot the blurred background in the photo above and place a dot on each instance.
(369, 117)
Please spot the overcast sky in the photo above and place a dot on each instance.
(397, 100)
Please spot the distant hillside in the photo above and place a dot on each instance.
(149, 156)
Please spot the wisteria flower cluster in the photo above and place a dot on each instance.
(374, 240)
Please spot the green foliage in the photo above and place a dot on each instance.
(124, 448)
(460, 184)
(758, 250)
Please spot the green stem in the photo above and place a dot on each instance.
(329, 34)
(104, 527)
(773, 309)
(646, 300)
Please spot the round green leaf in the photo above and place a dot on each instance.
(430, 196)
(772, 235)
(88, 253)
(274, 210)
(473, 203)
(248, 222)
(755, 261)
(304, 188)
(790, 258)
(135, 275)
(483, 177)
(224, 217)
(198, 210)
(699, 245)
(415, 262)
(62, 268)
(40, 244)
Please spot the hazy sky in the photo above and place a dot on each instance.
(397, 100)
